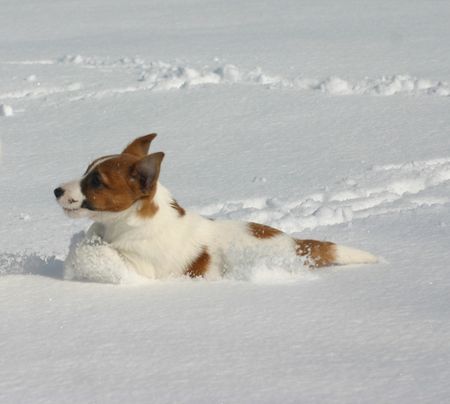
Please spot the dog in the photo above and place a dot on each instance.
(158, 238)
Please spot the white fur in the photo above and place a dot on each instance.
(348, 255)
(72, 199)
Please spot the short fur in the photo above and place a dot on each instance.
(158, 238)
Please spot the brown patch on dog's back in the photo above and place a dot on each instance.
(262, 231)
(317, 253)
(174, 204)
(200, 265)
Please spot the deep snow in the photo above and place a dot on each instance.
(325, 119)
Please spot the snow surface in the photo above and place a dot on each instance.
(325, 119)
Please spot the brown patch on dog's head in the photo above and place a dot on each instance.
(96, 161)
(114, 183)
(174, 204)
(317, 253)
(262, 231)
(200, 265)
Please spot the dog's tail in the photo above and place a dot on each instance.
(324, 253)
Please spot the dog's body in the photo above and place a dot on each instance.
(157, 238)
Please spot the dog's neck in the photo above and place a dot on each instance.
(135, 219)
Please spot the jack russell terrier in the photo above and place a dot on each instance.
(158, 239)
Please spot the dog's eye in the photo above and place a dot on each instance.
(96, 182)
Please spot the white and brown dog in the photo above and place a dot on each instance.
(157, 238)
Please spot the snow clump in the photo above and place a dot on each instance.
(6, 110)
(92, 259)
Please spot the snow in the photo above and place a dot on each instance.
(6, 110)
(327, 120)
(91, 259)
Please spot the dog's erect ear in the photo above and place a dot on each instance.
(147, 171)
(139, 147)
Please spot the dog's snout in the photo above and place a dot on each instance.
(59, 192)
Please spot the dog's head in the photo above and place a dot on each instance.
(114, 183)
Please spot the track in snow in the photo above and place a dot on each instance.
(381, 190)
(141, 75)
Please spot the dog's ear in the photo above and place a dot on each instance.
(146, 171)
(139, 147)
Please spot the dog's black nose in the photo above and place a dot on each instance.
(59, 192)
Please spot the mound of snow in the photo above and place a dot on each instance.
(92, 259)
(6, 110)
(336, 86)
(264, 265)
(269, 270)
